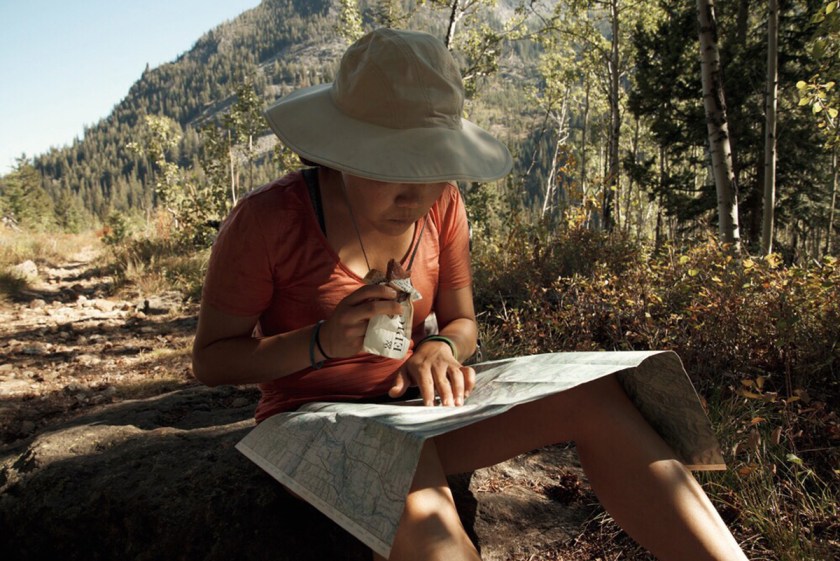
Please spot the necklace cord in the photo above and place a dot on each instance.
(359, 234)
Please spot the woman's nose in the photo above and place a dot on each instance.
(409, 196)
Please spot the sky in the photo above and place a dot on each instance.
(65, 64)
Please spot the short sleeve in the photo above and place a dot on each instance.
(454, 242)
(239, 276)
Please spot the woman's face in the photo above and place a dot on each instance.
(391, 208)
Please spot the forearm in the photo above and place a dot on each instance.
(249, 360)
(463, 332)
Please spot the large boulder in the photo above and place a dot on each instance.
(160, 479)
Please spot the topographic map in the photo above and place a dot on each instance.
(355, 461)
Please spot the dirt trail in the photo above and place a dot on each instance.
(70, 343)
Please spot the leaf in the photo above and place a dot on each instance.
(817, 108)
(693, 272)
(829, 85)
(748, 395)
(804, 101)
(830, 7)
(760, 382)
(832, 112)
(744, 471)
(801, 85)
(776, 435)
(683, 259)
(794, 459)
(747, 383)
(756, 420)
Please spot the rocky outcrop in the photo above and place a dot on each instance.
(159, 478)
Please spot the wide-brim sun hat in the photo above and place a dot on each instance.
(392, 114)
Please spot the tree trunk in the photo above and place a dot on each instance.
(583, 141)
(549, 203)
(770, 132)
(611, 184)
(716, 124)
(629, 197)
(454, 16)
(830, 233)
(232, 167)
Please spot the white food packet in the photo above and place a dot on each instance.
(390, 336)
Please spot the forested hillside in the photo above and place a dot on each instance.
(600, 100)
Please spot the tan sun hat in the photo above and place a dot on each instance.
(392, 114)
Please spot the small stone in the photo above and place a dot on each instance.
(104, 305)
(35, 349)
(27, 270)
(37, 304)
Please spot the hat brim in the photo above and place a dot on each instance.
(309, 123)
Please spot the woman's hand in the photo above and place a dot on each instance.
(343, 334)
(435, 371)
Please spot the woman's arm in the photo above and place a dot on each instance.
(224, 351)
(433, 367)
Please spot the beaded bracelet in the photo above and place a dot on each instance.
(313, 340)
(442, 339)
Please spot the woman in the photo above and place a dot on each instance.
(285, 304)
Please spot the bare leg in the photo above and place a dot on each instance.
(430, 529)
(633, 472)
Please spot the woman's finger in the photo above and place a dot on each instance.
(444, 387)
(469, 380)
(457, 382)
(370, 292)
(426, 384)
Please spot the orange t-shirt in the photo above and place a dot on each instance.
(271, 259)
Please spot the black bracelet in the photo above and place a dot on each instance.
(318, 340)
(442, 339)
(313, 340)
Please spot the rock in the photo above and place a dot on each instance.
(104, 305)
(27, 270)
(37, 303)
(160, 479)
(11, 388)
(35, 349)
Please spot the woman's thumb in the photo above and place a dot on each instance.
(400, 384)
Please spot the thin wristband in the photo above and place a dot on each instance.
(318, 340)
(313, 340)
(442, 339)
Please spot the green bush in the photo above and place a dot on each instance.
(726, 316)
